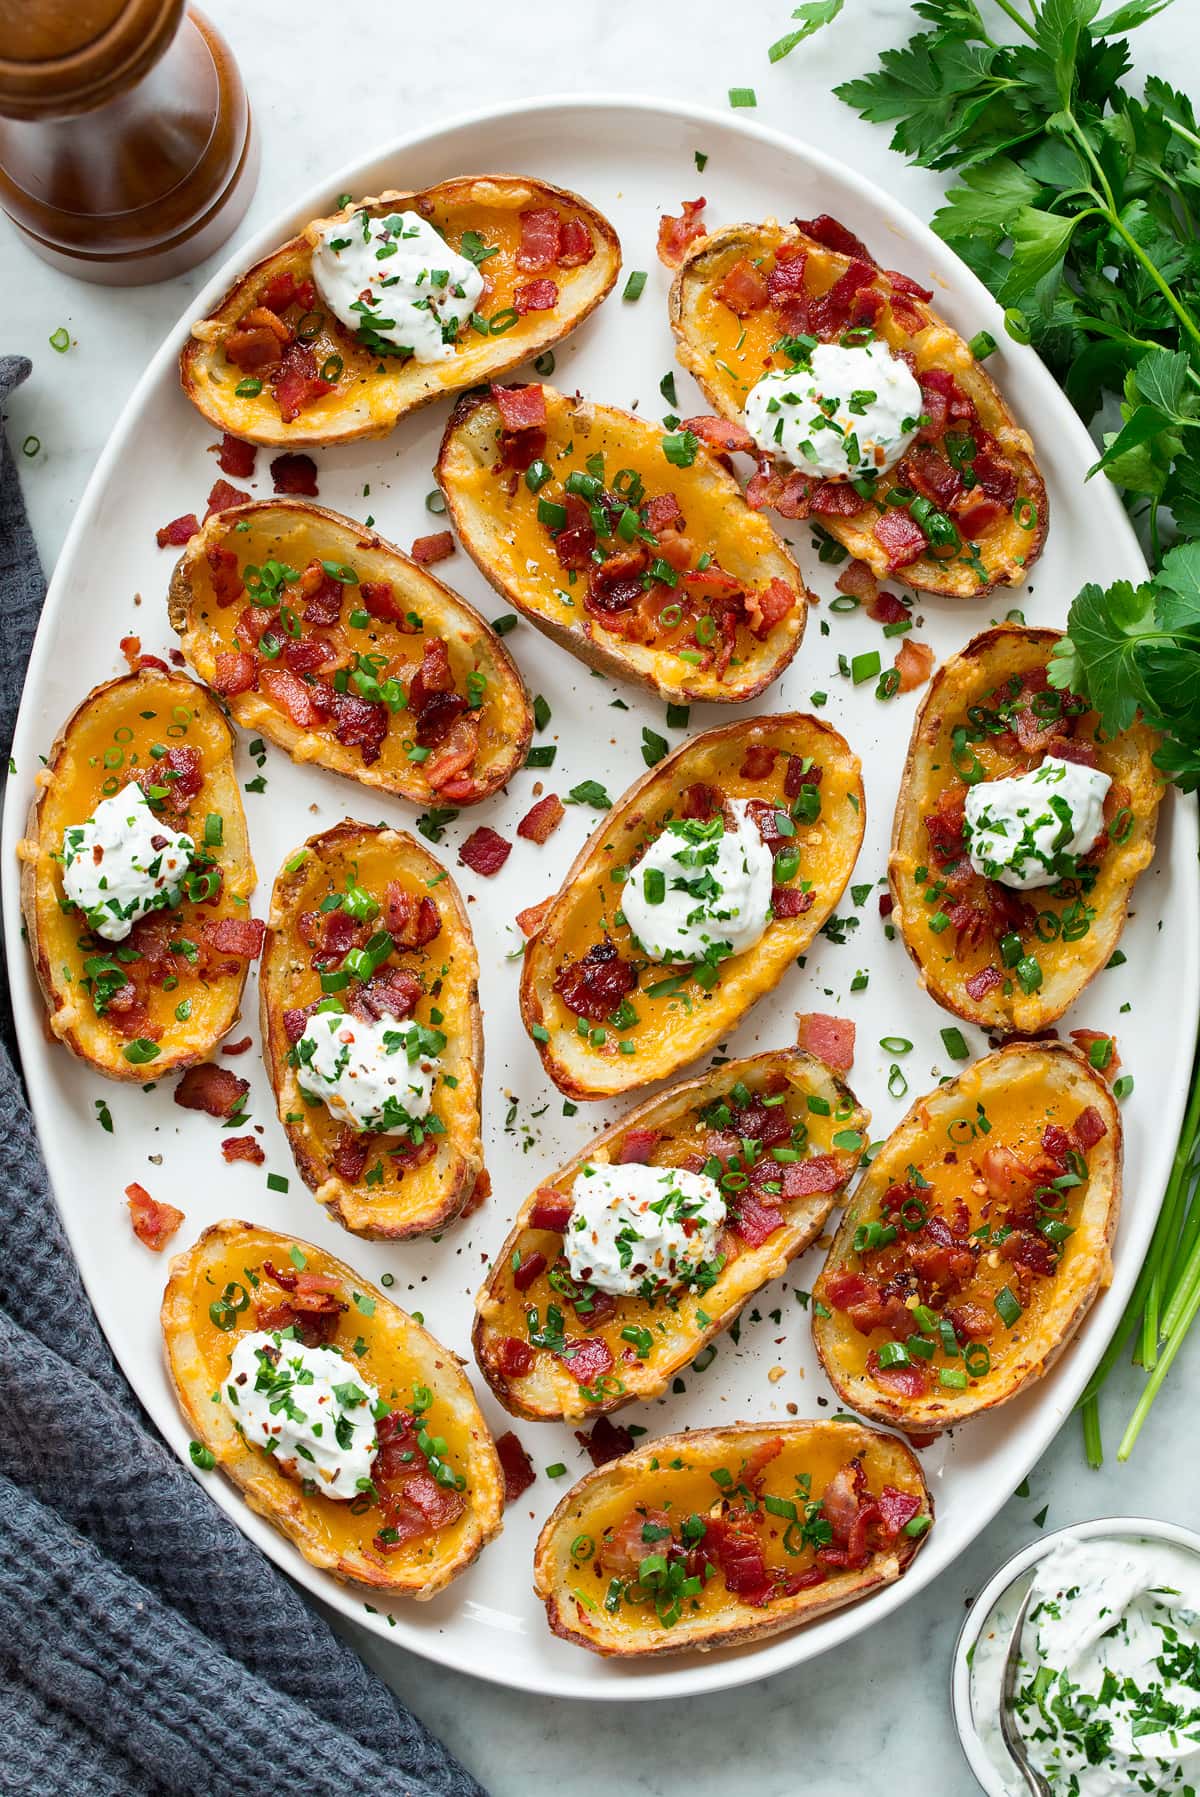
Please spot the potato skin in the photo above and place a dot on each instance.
(575, 1066)
(632, 1478)
(427, 1198)
(1007, 550)
(303, 532)
(484, 518)
(549, 1393)
(194, 1356)
(1056, 1073)
(52, 934)
(963, 681)
(379, 401)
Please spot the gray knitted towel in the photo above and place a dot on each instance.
(145, 1645)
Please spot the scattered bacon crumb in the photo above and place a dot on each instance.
(232, 1048)
(223, 496)
(516, 1466)
(535, 296)
(435, 548)
(236, 458)
(914, 664)
(485, 851)
(605, 1441)
(1083, 1040)
(178, 531)
(153, 1223)
(530, 921)
(831, 1039)
(242, 1148)
(858, 579)
(520, 408)
(676, 233)
(295, 474)
(542, 819)
(210, 1088)
(721, 434)
(887, 904)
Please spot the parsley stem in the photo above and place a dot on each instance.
(1182, 131)
(1016, 18)
(1185, 318)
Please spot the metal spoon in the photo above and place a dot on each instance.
(1035, 1784)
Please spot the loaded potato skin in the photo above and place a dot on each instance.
(433, 1495)
(778, 1134)
(138, 990)
(785, 792)
(630, 546)
(1005, 958)
(975, 1243)
(724, 1537)
(331, 642)
(958, 506)
(276, 364)
(369, 962)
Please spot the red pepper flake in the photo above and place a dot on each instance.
(485, 851)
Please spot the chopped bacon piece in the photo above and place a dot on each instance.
(770, 607)
(360, 724)
(831, 1039)
(295, 1021)
(542, 819)
(298, 385)
(1033, 1253)
(831, 313)
(379, 598)
(516, 1466)
(410, 921)
(997, 478)
(1084, 1041)
(594, 986)
(786, 280)
(448, 771)
(235, 672)
(636, 1147)
(178, 531)
(758, 762)
(819, 1173)
(577, 246)
(392, 993)
(434, 548)
(887, 904)
(295, 474)
(223, 572)
(235, 1048)
(720, 434)
(858, 579)
(929, 471)
(616, 583)
(210, 1088)
(521, 408)
(898, 533)
(911, 1381)
(292, 693)
(586, 1358)
(242, 1148)
(741, 1558)
(835, 499)
(529, 1269)
(744, 288)
(238, 936)
(280, 291)
(235, 457)
(896, 1508)
(535, 296)
(975, 517)
(663, 513)
(180, 772)
(153, 1223)
(485, 851)
(791, 901)
(834, 235)
(914, 664)
(514, 1358)
(971, 1322)
(978, 985)
(530, 920)
(131, 649)
(576, 540)
(788, 494)
(753, 1220)
(605, 1441)
(541, 238)
(254, 348)
(865, 1305)
(1006, 1175)
(222, 496)
(700, 801)
(1088, 1128)
(350, 1153)
(551, 1210)
(676, 233)
(1073, 748)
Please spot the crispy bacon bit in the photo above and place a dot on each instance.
(636, 1147)
(788, 494)
(744, 288)
(551, 1210)
(242, 1148)
(594, 986)
(530, 921)
(835, 499)
(236, 458)
(700, 801)
(757, 762)
(770, 607)
(253, 347)
(741, 1558)
(295, 474)
(929, 471)
(720, 434)
(131, 649)
(1089, 1128)
(753, 1220)
(485, 851)
(900, 536)
(834, 235)
(887, 608)
(542, 819)
(914, 664)
(210, 1088)
(223, 572)
(586, 1358)
(241, 937)
(236, 1048)
(819, 1173)
(360, 724)
(178, 531)
(791, 901)
(514, 1358)
(392, 993)
(541, 239)
(153, 1224)
(978, 985)
(677, 233)
(435, 548)
(515, 1464)
(350, 1153)
(179, 770)
(531, 1266)
(235, 672)
(995, 476)
(896, 1508)
(535, 296)
(577, 246)
(521, 408)
(858, 579)
(222, 496)
(292, 693)
(410, 921)
(298, 385)
(831, 1039)
(1085, 1040)
(605, 1441)
(910, 1381)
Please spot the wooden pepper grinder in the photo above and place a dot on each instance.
(126, 149)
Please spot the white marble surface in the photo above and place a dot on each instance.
(821, 1729)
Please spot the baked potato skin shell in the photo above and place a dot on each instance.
(625, 1482)
(1049, 1075)
(548, 1392)
(1008, 551)
(295, 531)
(583, 1071)
(197, 1357)
(376, 402)
(963, 681)
(486, 521)
(428, 1197)
(52, 934)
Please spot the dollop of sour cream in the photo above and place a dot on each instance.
(638, 1229)
(375, 1075)
(1109, 1691)
(309, 1408)
(1018, 830)
(841, 413)
(123, 862)
(701, 887)
(396, 280)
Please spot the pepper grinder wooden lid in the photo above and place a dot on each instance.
(126, 147)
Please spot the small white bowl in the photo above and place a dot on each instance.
(975, 1699)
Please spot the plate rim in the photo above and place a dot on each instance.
(696, 1674)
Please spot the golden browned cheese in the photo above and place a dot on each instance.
(697, 1475)
(728, 354)
(292, 534)
(215, 1293)
(1075, 925)
(676, 1018)
(672, 647)
(371, 393)
(120, 729)
(397, 1191)
(959, 1139)
(679, 1129)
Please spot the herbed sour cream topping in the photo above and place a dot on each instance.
(641, 1230)
(842, 414)
(308, 1407)
(396, 282)
(701, 890)
(1023, 830)
(1109, 1693)
(123, 862)
(375, 1075)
